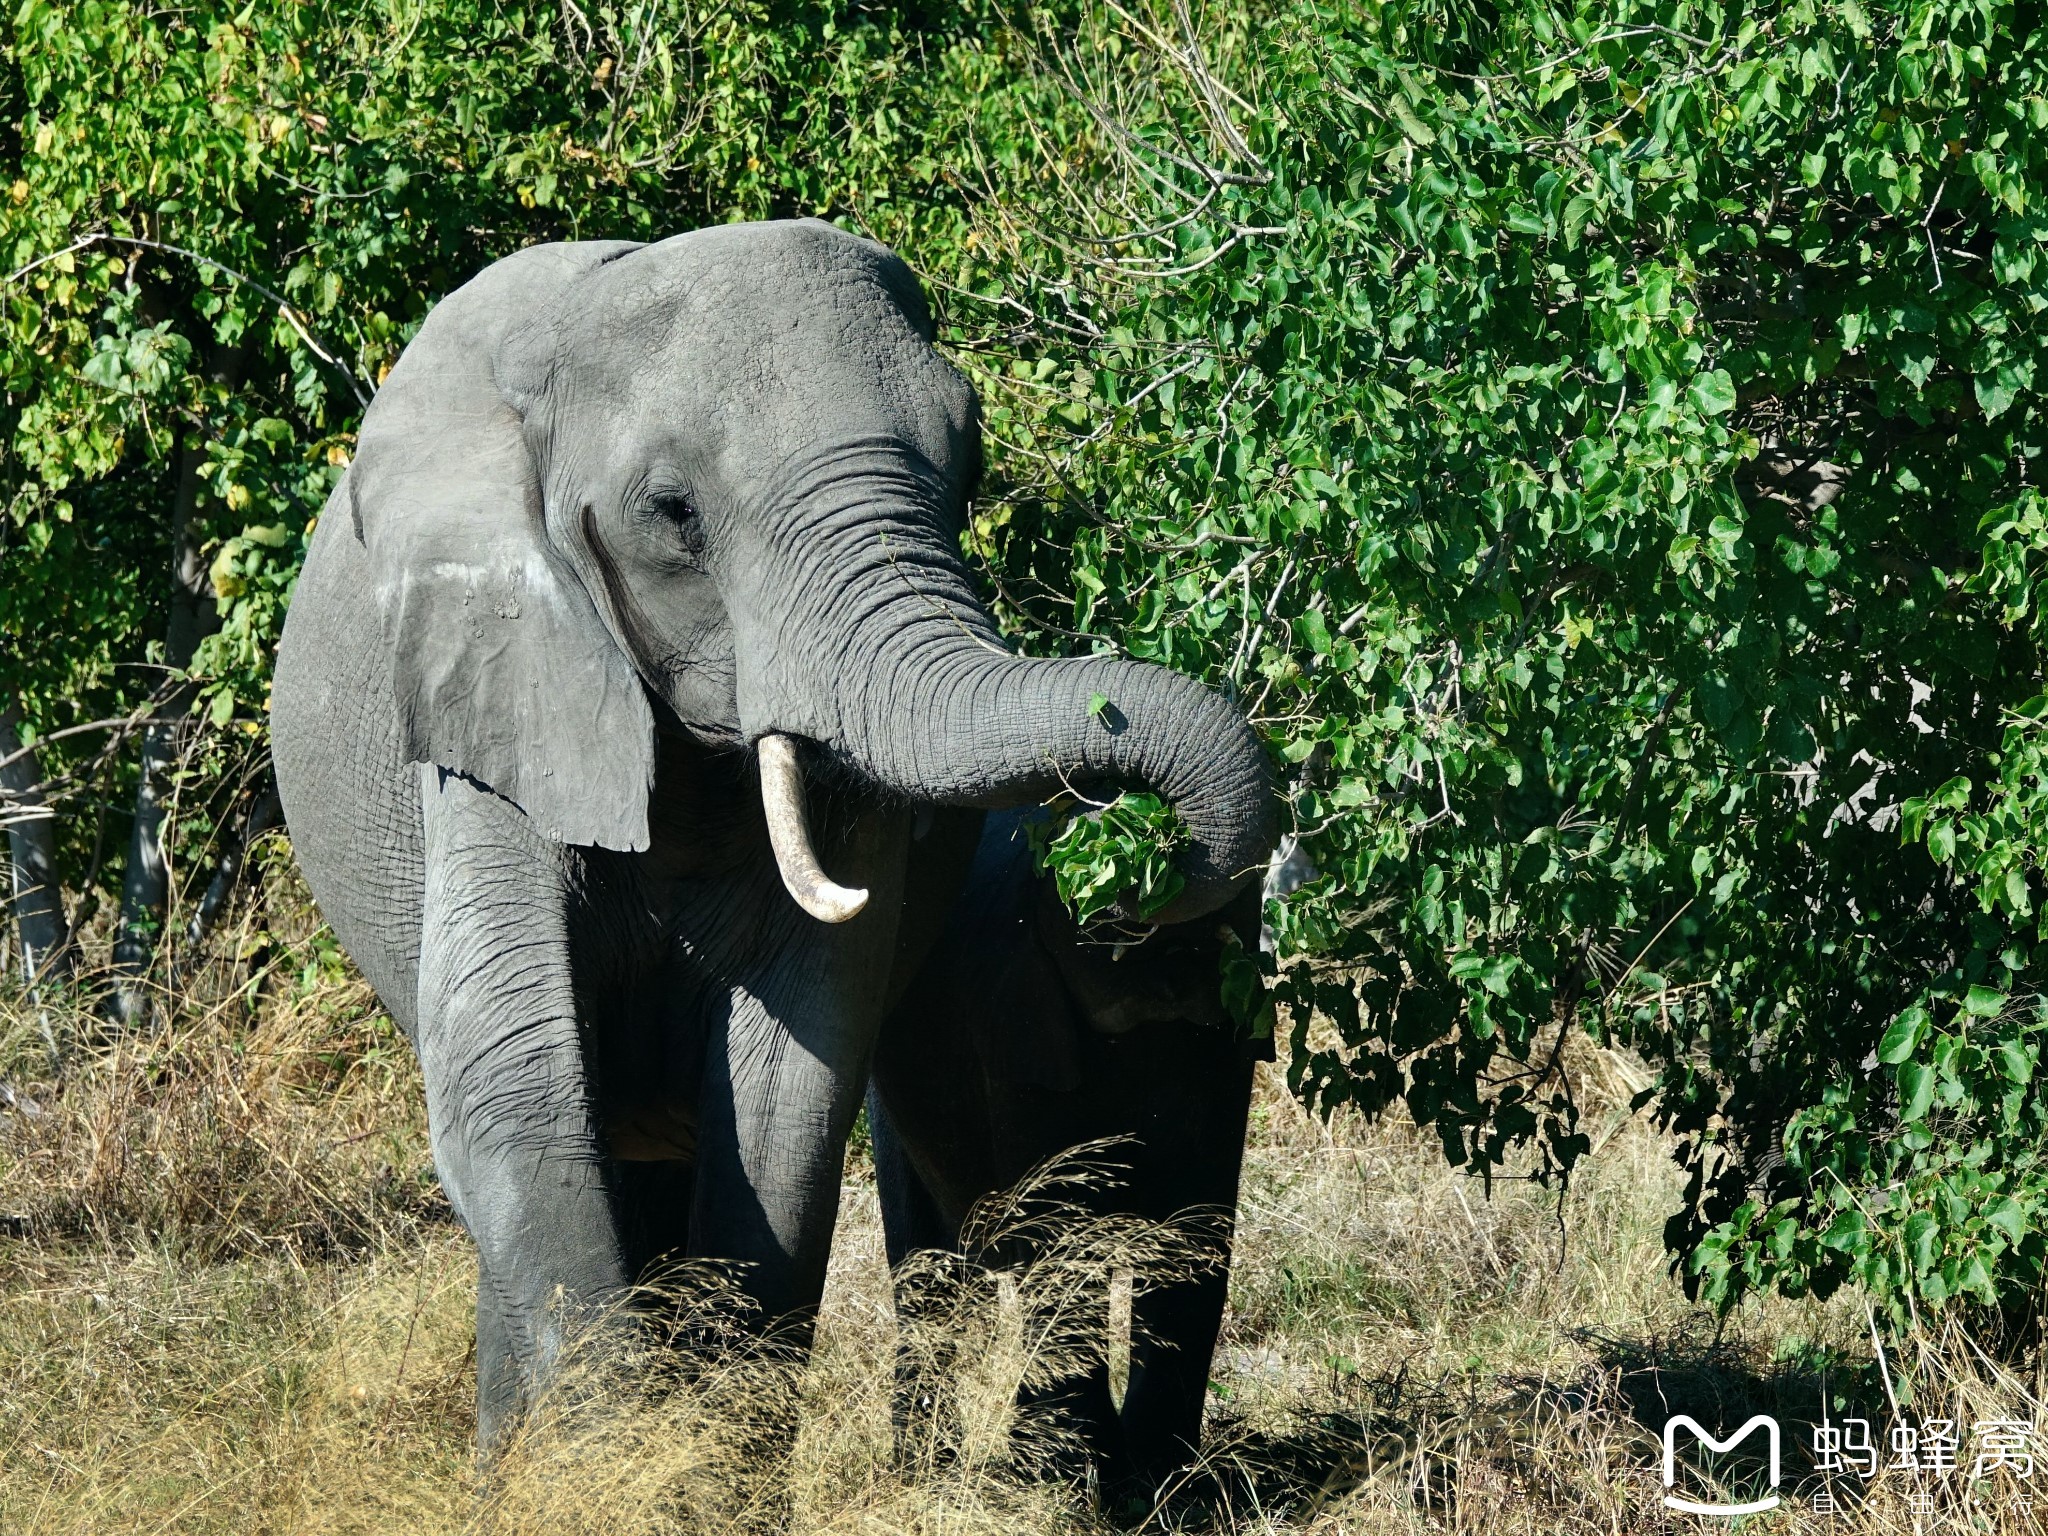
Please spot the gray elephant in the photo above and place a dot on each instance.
(1022, 1037)
(639, 610)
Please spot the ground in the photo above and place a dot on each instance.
(231, 1299)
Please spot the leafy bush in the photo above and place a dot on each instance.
(1120, 850)
(1595, 444)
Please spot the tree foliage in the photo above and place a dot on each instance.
(221, 223)
(1597, 444)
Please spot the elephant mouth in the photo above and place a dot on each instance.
(789, 834)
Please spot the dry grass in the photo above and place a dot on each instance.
(231, 1300)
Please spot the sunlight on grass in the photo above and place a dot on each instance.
(232, 1300)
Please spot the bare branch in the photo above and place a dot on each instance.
(123, 725)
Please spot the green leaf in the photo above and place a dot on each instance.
(1411, 125)
(1923, 1241)
(1975, 1278)
(2015, 1062)
(2016, 895)
(1903, 1037)
(1846, 1233)
(2007, 1215)
(1998, 389)
(1916, 1089)
(104, 369)
(1713, 392)
(1984, 1002)
(1122, 851)
(1244, 989)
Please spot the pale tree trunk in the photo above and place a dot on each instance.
(36, 899)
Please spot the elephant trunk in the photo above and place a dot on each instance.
(1001, 730)
(890, 664)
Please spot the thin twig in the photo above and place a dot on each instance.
(124, 724)
(1932, 254)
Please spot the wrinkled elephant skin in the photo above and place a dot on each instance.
(629, 657)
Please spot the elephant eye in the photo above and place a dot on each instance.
(674, 505)
(675, 513)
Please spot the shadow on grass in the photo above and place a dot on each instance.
(1722, 1385)
(1426, 1443)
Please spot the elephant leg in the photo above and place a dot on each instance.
(498, 1390)
(911, 1218)
(510, 1109)
(654, 1214)
(1174, 1326)
(772, 1131)
(1068, 1426)
(783, 1076)
(1173, 1337)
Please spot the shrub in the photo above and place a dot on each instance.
(1597, 445)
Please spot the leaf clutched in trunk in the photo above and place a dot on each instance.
(1115, 856)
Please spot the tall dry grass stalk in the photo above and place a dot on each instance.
(232, 1300)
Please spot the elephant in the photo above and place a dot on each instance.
(1022, 1037)
(632, 655)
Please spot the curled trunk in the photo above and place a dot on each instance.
(888, 661)
(1005, 731)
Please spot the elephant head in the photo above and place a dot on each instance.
(719, 481)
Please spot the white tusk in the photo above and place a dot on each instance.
(782, 798)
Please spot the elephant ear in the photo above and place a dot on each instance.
(501, 666)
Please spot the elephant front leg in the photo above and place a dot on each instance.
(783, 1078)
(771, 1147)
(510, 1105)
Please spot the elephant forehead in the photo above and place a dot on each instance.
(756, 339)
(762, 275)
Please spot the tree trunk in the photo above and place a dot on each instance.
(36, 897)
(145, 889)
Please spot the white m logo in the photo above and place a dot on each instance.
(1671, 1428)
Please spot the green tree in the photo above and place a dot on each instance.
(1598, 445)
(217, 236)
